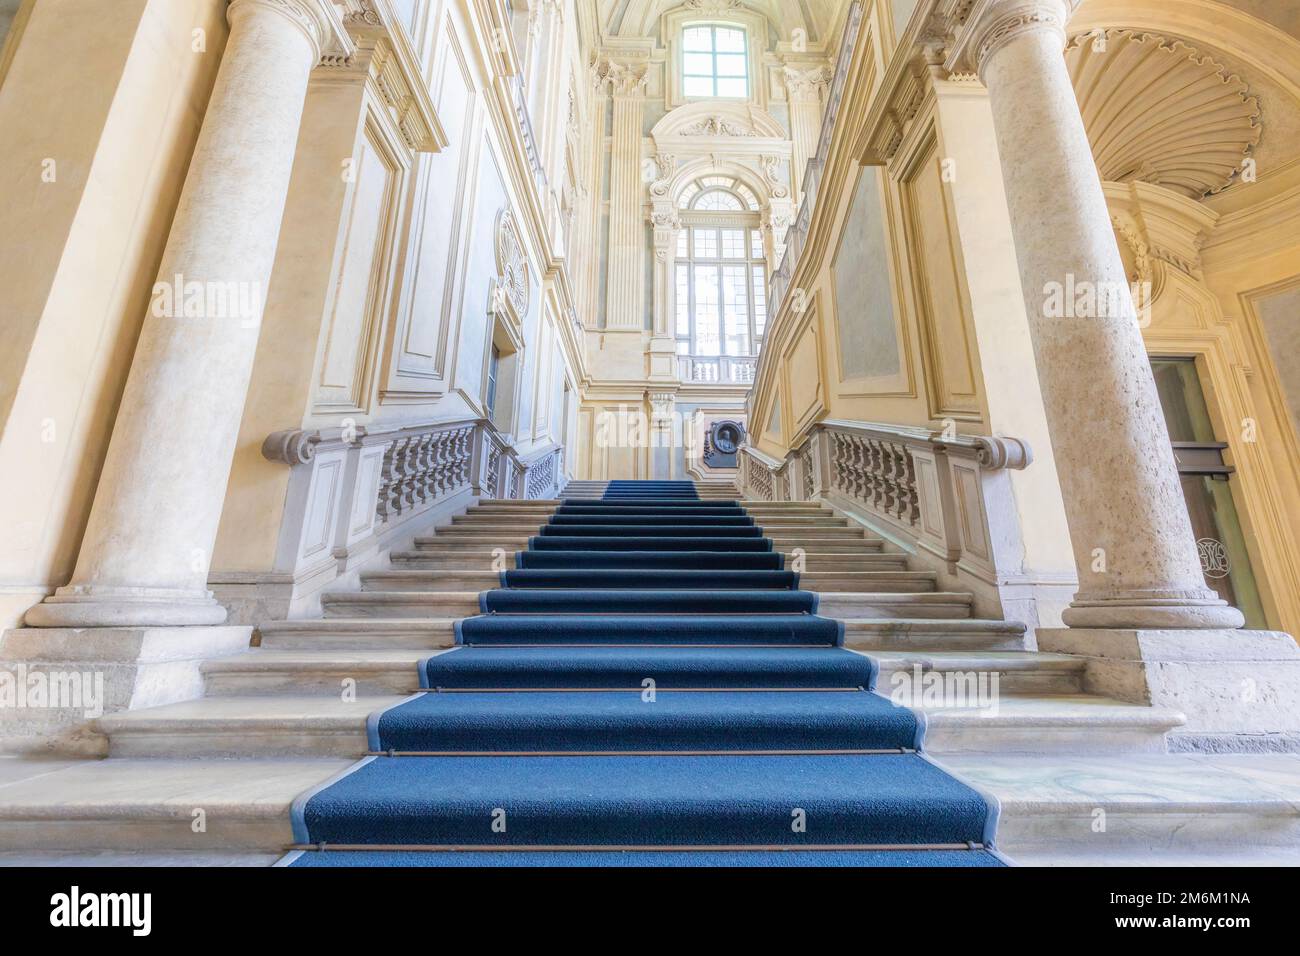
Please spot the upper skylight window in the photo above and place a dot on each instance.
(715, 61)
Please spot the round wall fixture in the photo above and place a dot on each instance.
(721, 443)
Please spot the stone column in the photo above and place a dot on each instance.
(625, 301)
(145, 554)
(1133, 545)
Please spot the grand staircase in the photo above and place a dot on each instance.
(267, 760)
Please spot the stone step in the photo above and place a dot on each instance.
(363, 633)
(499, 529)
(428, 634)
(1170, 809)
(1138, 810)
(469, 580)
(267, 726)
(513, 503)
(302, 725)
(485, 560)
(139, 805)
(855, 606)
(930, 634)
(450, 545)
(1042, 724)
(781, 541)
(398, 604)
(786, 542)
(1019, 672)
(453, 604)
(264, 671)
(383, 671)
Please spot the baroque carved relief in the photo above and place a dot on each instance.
(512, 265)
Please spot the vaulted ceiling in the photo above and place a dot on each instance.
(638, 18)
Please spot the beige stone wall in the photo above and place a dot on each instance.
(379, 310)
(92, 187)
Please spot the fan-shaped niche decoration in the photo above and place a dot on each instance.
(1158, 111)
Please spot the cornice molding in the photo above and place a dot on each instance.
(382, 49)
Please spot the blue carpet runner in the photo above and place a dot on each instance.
(648, 687)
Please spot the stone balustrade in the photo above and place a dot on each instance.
(356, 493)
(945, 499)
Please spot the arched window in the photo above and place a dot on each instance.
(721, 300)
(715, 61)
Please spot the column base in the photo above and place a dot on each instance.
(91, 606)
(56, 682)
(1240, 690)
(1155, 613)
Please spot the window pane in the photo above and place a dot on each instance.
(735, 302)
(683, 250)
(698, 38)
(683, 346)
(756, 244)
(699, 64)
(706, 310)
(760, 301)
(729, 65)
(706, 243)
(733, 243)
(683, 300)
(737, 88)
(730, 40)
(699, 86)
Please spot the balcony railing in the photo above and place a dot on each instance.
(717, 369)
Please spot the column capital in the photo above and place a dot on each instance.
(321, 22)
(619, 79)
(991, 24)
(806, 85)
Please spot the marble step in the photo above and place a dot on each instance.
(1019, 672)
(453, 604)
(359, 633)
(398, 604)
(510, 504)
(468, 580)
(845, 606)
(449, 545)
(1038, 724)
(517, 541)
(477, 518)
(499, 529)
(132, 805)
(283, 725)
(1138, 810)
(428, 634)
(485, 560)
(385, 671)
(1162, 809)
(266, 671)
(930, 634)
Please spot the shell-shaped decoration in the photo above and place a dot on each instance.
(1160, 112)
